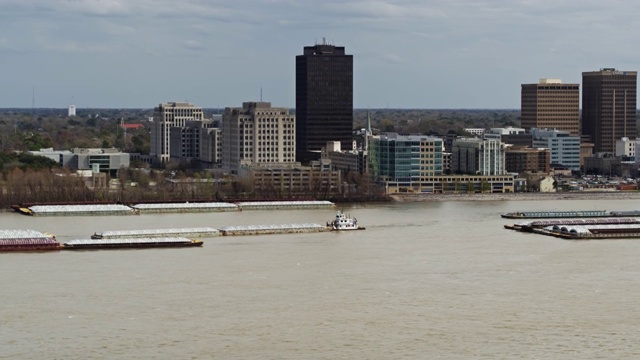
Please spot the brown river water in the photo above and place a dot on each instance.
(426, 280)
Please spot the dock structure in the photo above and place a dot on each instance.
(271, 205)
(154, 233)
(61, 210)
(136, 243)
(184, 207)
(272, 229)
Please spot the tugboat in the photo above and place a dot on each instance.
(343, 222)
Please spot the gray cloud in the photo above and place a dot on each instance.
(475, 53)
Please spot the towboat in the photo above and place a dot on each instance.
(344, 222)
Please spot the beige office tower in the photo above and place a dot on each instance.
(166, 116)
(257, 135)
(550, 104)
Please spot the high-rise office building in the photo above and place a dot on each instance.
(324, 99)
(166, 116)
(550, 104)
(609, 107)
(257, 135)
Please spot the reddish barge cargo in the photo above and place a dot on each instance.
(29, 244)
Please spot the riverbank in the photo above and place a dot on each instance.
(578, 195)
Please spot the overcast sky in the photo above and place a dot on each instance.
(214, 53)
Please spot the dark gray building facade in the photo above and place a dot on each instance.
(608, 107)
(324, 99)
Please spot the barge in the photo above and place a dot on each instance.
(569, 214)
(281, 205)
(185, 207)
(61, 210)
(538, 224)
(149, 233)
(133, 243)
(29, 244)
(592, 232)
(272, 229)
(27, 240)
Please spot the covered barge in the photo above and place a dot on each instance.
(538, 224)
(272, 229)
(149, 233)
(60, 210)
(569, 214)
(133, 243)
(184, 207)
(592, 232)
(280, 205)
(26, 240)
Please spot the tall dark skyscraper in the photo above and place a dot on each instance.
(609, 107)
(324, 99)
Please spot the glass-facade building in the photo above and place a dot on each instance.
(405, 159)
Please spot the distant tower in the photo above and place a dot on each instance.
(324, 99)
(72, 111)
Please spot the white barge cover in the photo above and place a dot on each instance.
(22, 234)
(268, 204)
(186, 205)
(272, 227)
(44, 209)
(127, 241)
(155, 232)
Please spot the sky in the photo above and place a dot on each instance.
(426, 54)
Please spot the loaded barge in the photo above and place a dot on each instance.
(568, 214)
(60, 210)
(136, 243)
(539, 224)
(272, 229)
(592, 232)
(184, 207)
(26, 240)
(149, 233)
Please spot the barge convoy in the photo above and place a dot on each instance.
(30, 240)
(169, 207)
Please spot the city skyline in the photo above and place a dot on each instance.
(430, 54)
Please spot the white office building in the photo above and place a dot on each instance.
(478, 156)
(564, 148)
(166, 116)
(626, 147)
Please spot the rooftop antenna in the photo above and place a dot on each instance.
(260, 93)
(33, 102)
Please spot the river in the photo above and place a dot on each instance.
(426, 280)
